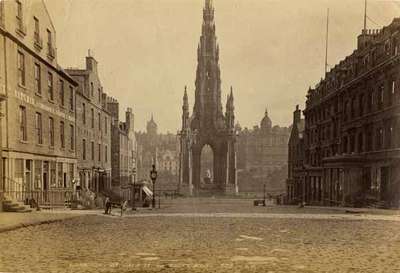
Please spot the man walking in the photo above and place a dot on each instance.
(107, 206)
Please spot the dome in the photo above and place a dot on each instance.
(266, 122)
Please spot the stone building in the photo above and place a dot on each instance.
(295, 158)
(352, 137)
(123, 150)
(38, 126)
(261, 151)
(93, 134)
(161, 150)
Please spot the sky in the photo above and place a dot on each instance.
(271, 51)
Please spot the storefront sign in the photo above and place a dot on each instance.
(28, 99)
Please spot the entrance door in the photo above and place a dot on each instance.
(45, 180)
(384, 184)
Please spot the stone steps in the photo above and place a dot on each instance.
(14, 206)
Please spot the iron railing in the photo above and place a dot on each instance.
(55, 197)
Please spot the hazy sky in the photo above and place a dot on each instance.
(270, 51)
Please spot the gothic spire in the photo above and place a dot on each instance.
(185, 106)
(209, 4)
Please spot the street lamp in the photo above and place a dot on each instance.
(153, 177)
(134, 189)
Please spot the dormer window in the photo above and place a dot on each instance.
(50, 48)
(36, 33)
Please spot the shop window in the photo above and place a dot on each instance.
(60, 174)
(38, 174)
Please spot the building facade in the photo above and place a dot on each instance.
(295, 175)
(261, 151)
(352, 139)
(123, 150)
(161, 150)
(93, 134)
(38, 125)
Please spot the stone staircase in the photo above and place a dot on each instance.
(14, 206)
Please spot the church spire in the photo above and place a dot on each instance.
(185, 110)
(230, 115)
(185, 106)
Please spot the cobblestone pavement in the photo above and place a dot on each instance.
(205, 242)
(11, 221)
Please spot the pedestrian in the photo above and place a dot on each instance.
(123, 206)
(107, 206)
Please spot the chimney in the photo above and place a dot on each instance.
(297, 115)
(91, 63)
(129, 119)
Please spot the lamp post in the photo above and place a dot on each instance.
(264, 196)
(153, 177)
(134, 189)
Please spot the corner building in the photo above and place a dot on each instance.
(38, 123)
(93, 136)
(352, 122)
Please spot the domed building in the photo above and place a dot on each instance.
(262, 151)
(266, 122)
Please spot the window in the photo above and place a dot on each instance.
(105, 124)
(368, 139)
(62, 93)
(381, 96)
(99, 146)
(84, 149)
(62, 134)
(21, 68)
(91, 89)
(72, 137)
(92, 117)
(92, 150)
(38, 126)
(379, 138)
(361, 105)
(360, 142)
(71, 98)
(37, 31)
(50, 86)
(83, 113)
(389, 136)
(60, 175)
(352, 143)
(99, 117)
(38, 86)
(19, 16)
(70, 173)
(99, 91)
(51, 131)
(49, 43)
(22, 123)
(106, 153)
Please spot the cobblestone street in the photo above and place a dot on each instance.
(208, 242)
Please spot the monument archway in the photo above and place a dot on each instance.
(208, 125)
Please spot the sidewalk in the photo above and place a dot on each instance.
(11, 221)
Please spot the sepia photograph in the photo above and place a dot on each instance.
(174, 136)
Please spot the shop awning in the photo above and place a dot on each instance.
(147, 191)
